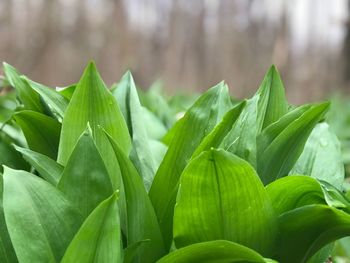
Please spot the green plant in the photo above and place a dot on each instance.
(92, 175)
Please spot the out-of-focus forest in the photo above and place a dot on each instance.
(189, 45)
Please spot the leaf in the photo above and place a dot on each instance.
(307, 229)
(7, 253)
(198, 122)
(57, 102)
(158, 151)
(154, 127)
(98, 239)
(9, 156)
(67, 92)
(322, 255)
(141, 154)
(334, 197)
(46, 167)
(29, 98)
(157, 104)
(215, 137)
(92, 102)
(241, 140)
(40, 221)
(42, 132)
(218, 251)
(221, 197)
(85, 180)
(322, 157)
(294, 191)
(131, 251)
(280, 144)
(141, 219)
(272, 103)
(265, 107)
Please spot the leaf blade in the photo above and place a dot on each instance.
(199, 120)
(46, 219)
(220, 197)
(98, 239)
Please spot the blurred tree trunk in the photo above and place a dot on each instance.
(346, 50)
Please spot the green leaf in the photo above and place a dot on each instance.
(85, 180)
(305, 230)
(154, 127)
(92, 102)
(322, 158)
(7, 253)
(280, 144)
(334, 197)
(218, 251)
(221, 197)
(322, 255)
(141, 219)
(98, 239)
(131, 251)
(241, 140)
(266, 107)
(67, 92)
(294, 191)
(40, 221)
(197, 123)
(141, 154)
(56, 101)
(216, 136)
(157, 104)
(42, 132)
(158, 151)
(29, 98)
(49, 169)
(272, 103)
(9, 156)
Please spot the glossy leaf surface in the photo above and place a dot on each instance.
(221, 197)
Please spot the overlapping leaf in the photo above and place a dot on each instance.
(198, 121)
(280, 144)
(92, 102)
(98, 239)
(295, 191)
(56, 101)
(141, 154)
(218, 251)
(9, 156)
(42, 132)
(322, 157)
(85, 180)
(264, 108)
(40, 221)
(221, 197)
(141, 219)
(217, 135)
(310, 227)
(29, 98)
(7, 253)
(49, 169)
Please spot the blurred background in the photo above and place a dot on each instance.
(188, 45)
